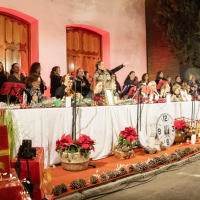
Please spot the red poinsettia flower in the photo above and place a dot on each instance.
(85, 146)
(179, 124)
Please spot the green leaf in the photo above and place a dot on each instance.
(79, 149)
(72, 150)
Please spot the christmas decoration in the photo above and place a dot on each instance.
(57, 190)
(179, 124)
(169, 159)
(94, 179)
(178, 157)
(177, 150)
(162, 146)
(198, 148)
(75, 184)
(139, 167)
(149, 150)
(82, 182)
(122, 171)
(104, 177)
(157, 160)
(131, 169)
(64, 187)
(116, 173)
(152, 164)
(163, 159)
(110, 173)
(145, 166)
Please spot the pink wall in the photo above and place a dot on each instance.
(124, 20)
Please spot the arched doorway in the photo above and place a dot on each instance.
(14, 42)
(85, 46)
(19, 38)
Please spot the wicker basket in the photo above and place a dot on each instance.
(74, 161)
(122, 155)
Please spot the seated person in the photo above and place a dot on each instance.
(185, 87)
(152, 85)
(66, 88)
(193, 90)
(3, 79)
(15, 75)
(112, 85)
(176, 89)
(177, 80)
(32, 89)
(164, 90)
(98, 90)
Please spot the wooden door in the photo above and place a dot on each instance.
(14, 44)
(83, 49)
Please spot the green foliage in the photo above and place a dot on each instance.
(180, 21)
(12, 131)
(125, 142)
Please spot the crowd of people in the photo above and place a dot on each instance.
(86, 88)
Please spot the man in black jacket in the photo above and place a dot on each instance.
(83, 85)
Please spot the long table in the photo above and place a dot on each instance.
(103, 124)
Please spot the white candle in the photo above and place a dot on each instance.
(193, 139)
(68, 102)
(199, 134)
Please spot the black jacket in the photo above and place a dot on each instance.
(3, 79)
(118, 87)
(55, 83)
(60, 92)
(83, 90)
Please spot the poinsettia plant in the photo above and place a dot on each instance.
(128, 137)
(83, 144)
(179, 124)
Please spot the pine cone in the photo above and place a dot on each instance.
(147, 150)
(104, 177)
(198, 148)
(178, 157)
(152, 151)
(163, 159)
(125, 149)
(131, 169)
(64, 187)
(157, 160)
(116, 173)
(118, 146)
(169, 160)
(145, 166)
(110, 173)
(122, 171)
(82, 182)
(94, 179)
(75, 184)
(187, 150)
(163, 148)
(152, 164)
(193, 150)
(139, 167)
(173, 155)
(57, 190)
(177, 150)
(184, 153)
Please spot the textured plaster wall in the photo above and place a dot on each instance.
(123, 19)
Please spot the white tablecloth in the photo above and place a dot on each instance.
(103, 124)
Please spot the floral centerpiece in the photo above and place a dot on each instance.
(126, 142)
(75, 155)
(179, 125)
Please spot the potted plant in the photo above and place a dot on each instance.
(74, 155)
(179, 125)
(126, 142)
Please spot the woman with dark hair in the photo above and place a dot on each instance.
(15, 75)
(32, 89)
(145, 79)
(66, 88)
(83, 85)
(36, 68)
(3, 79)
(118, 87)
(159, 77)
(55, 80)
(177, 80)
(101, 74)
(99, 90)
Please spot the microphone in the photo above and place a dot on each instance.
(74, 79)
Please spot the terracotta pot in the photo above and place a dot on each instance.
(74, 161)
(179, 136)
